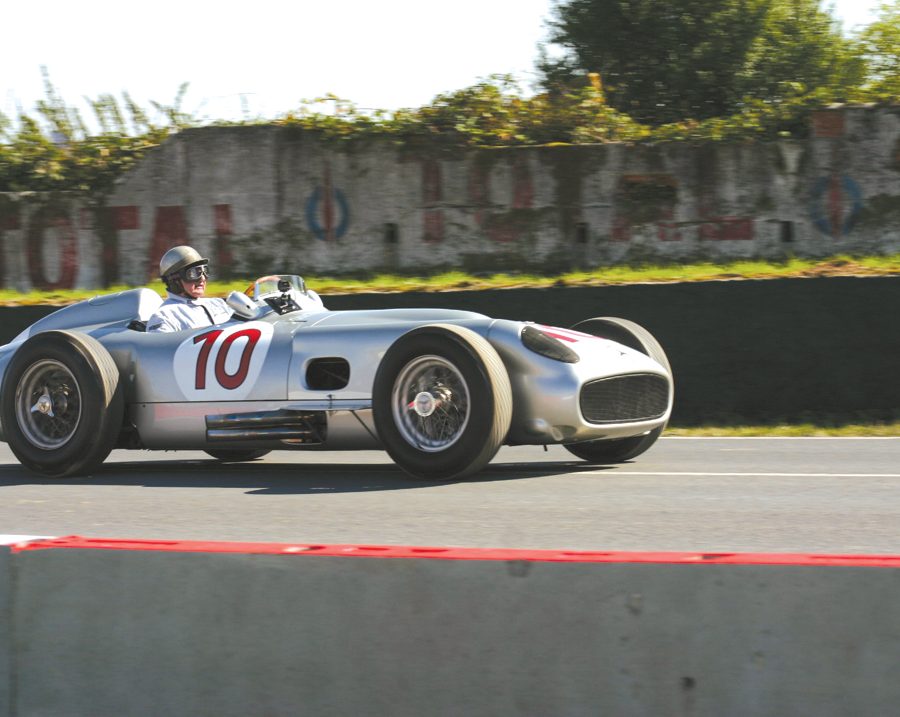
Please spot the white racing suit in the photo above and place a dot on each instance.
(178, 313)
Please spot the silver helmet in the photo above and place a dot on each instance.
(175, 261)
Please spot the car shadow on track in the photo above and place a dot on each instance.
(269, 477)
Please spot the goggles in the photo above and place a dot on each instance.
(194, 273)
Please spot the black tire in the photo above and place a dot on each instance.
(61, 403)
(636, 337)
(627, 333)
(227, 455)
(442, 402)
(616, 450)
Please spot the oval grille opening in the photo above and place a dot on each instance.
(623, 399)
(327, 374)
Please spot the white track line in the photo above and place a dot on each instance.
(13, 539)
(741, 475)
(780, 438)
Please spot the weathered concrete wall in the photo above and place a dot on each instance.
(137, 631)
(258, 199)
(5, 630)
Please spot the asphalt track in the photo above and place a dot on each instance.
(814, 495)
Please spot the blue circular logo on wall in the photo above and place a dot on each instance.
(327, 214)
(836, 205)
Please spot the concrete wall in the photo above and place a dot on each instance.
(6, 649)
(257, 199)
(214, 630)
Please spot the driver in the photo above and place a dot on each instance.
(184, 273)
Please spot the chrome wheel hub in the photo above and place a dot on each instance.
(44, 405)
(424, 404)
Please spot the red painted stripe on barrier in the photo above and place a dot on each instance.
(452, 553)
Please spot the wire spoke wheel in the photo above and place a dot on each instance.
(48, 404)
(430, 401)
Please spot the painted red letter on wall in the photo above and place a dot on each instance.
(431, 198)
(169, 229)
(57, 219)
(501, 226)
(9, 221)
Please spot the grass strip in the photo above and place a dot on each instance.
(842, 265)
(788, 430)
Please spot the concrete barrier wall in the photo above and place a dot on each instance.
(257, 197)
(741, 350)
(5, 631)
(218, 630)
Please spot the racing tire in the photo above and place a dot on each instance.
(226, 455)
(616, 450)
(442, 402)
(62, 406)
(634, 336)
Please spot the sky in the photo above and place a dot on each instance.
(260, 58)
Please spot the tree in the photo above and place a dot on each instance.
(670, 60)
(880, 45)
(800, 44)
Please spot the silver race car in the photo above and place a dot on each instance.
(439, 390)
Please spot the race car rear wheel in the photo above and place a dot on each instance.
(235, 456)
(638, 338)
(442, 402)
(61, 406)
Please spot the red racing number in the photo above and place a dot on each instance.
(226, 380)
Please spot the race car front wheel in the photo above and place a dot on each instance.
(442, 402)
(615, 450)
(638, 338)
(62, 406)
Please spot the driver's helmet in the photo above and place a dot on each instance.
(181, 262)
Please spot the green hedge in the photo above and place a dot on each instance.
(55, 151)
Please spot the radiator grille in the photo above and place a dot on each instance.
(622, 399)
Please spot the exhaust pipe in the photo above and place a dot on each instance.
(281, 425)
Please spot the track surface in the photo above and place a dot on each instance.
(748, 495)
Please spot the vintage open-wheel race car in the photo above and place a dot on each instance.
(440, 390)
